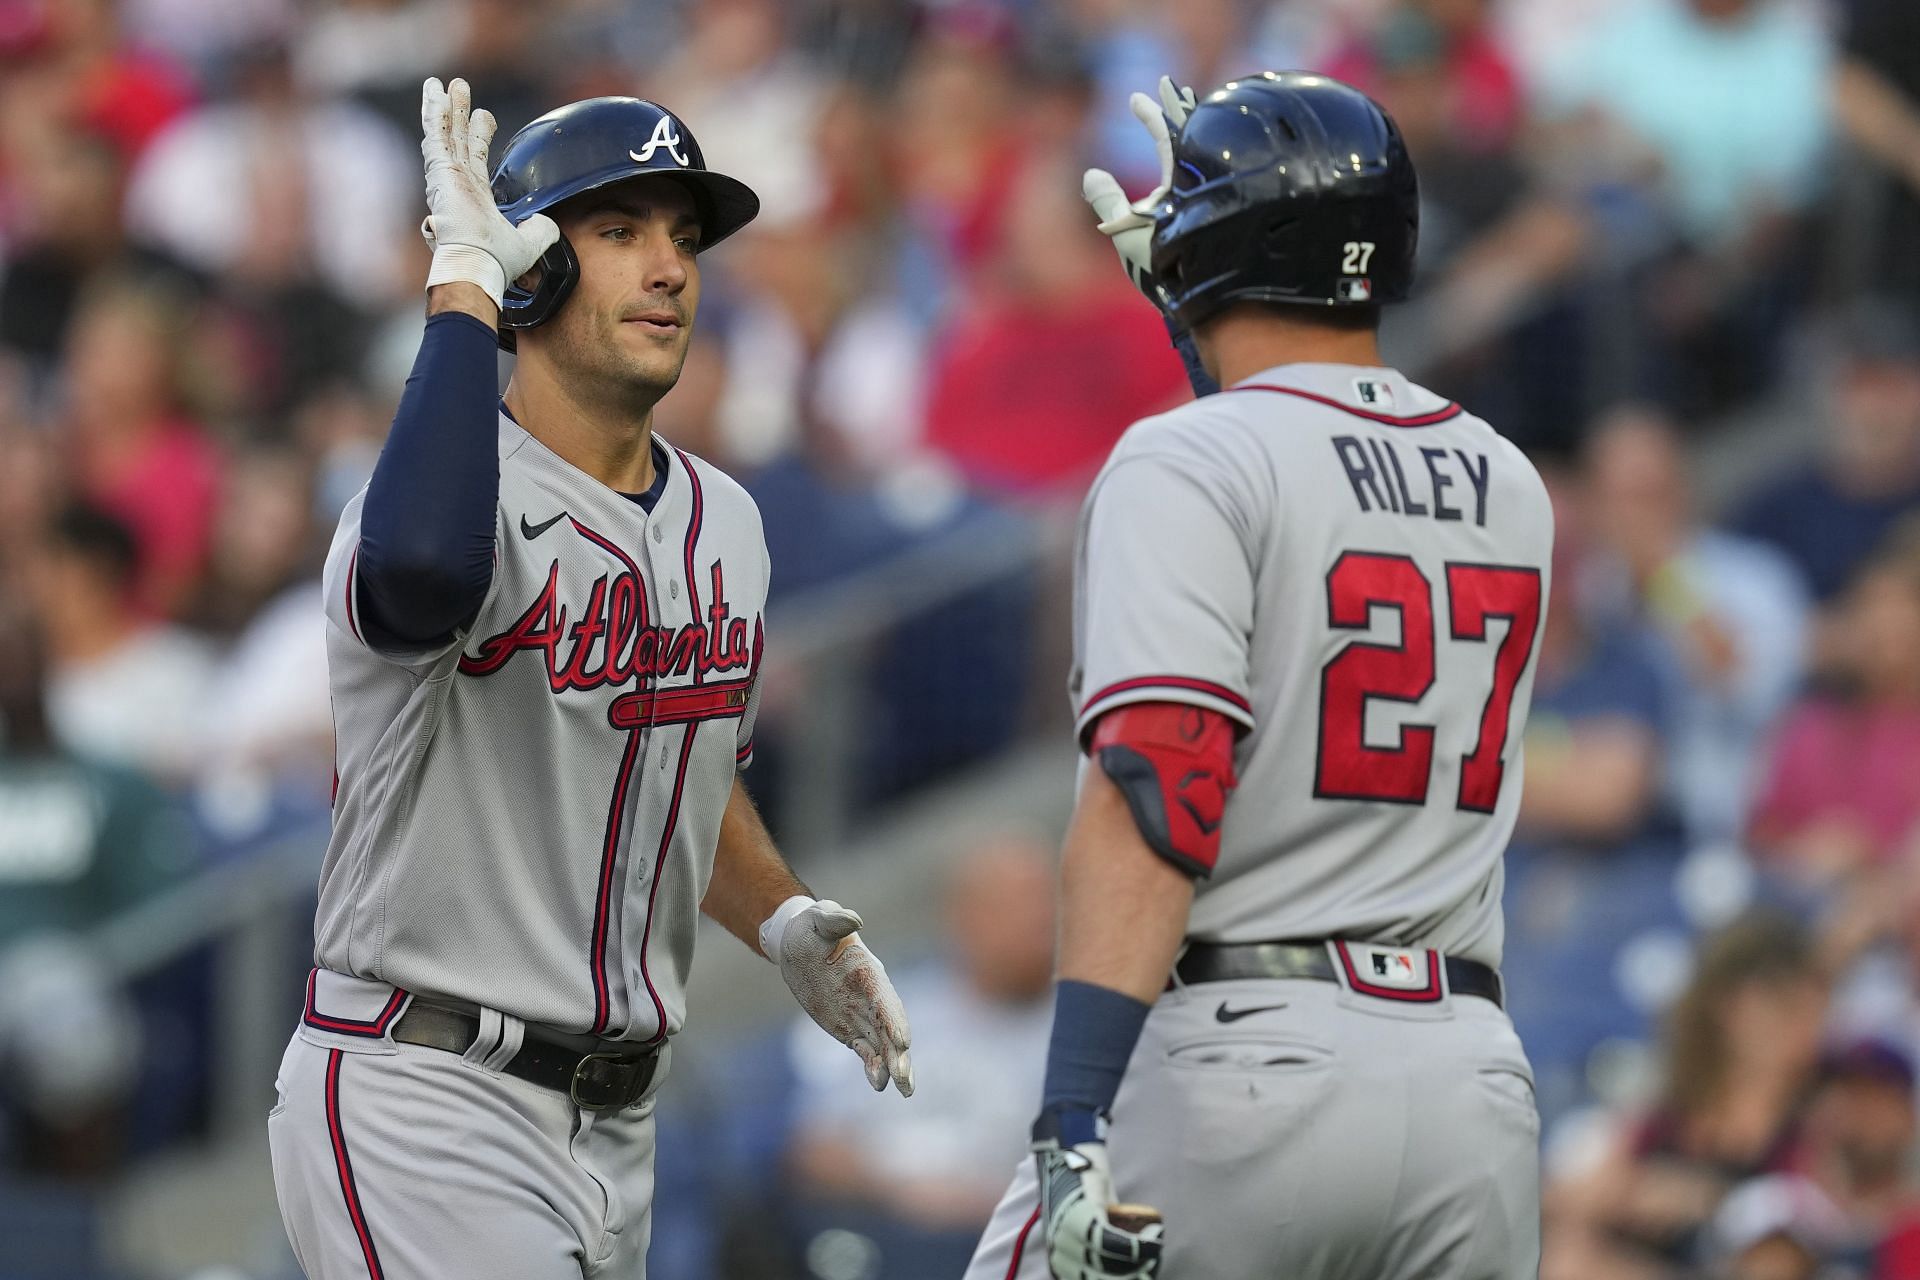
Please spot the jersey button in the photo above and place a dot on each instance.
(659, 534)
(673, 589)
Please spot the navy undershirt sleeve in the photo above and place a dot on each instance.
(427, 528)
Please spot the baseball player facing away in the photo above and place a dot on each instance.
(545, 644)
(1305, 617)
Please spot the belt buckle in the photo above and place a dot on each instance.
(605, 1082)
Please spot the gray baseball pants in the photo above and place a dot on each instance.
(400, 1162)
(1330, 1136)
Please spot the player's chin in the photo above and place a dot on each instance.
(655, 367)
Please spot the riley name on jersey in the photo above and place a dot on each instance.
(1379, 475)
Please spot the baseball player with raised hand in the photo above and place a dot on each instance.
(1305, 614)
(545, 641)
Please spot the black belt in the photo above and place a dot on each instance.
(1222, 962)
(594, 1081)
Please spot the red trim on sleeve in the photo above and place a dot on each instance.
(1189, 683)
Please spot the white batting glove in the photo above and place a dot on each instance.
(842, 985)
(1129, 224)
(471, 239)
(1083, 1243)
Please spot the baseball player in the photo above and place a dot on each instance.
(1305, 617)
(545, 647)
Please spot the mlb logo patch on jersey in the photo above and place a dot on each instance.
(1392, 973)
(1374, 394)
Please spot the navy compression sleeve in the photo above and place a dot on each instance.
(426, 531)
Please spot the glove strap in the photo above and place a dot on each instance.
(453, 263)
(773, 930)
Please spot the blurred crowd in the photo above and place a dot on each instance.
(1651, 228)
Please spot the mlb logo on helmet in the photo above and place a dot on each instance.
(1360, 290)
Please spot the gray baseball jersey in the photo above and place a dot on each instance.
(526, 817)
(1355, 571)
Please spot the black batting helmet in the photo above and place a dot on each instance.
(1287, 187)
(587, 145)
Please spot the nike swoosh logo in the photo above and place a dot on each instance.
(532, 531)
(1224, 1014)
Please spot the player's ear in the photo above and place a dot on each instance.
(530, 280)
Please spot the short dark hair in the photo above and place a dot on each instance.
(100, 538)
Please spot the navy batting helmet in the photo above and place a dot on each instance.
(1287, 187)
(587, 145)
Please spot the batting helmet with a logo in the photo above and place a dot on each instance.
(1288, 187)
(595, 143)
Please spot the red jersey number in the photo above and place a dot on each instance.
(1366, 671)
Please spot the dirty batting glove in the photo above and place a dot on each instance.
(472, 240)
(842, 985)
(1076, 1188)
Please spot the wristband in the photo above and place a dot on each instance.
(462, 262)
(774, 928)
(1094, 1032)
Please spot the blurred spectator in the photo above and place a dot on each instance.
(955, 141)
(1694, 130)
(921, 1180)
(31, 490)
(1876, 99)
(120, 688)
(1860, 1140)
(115, 89)
(1727, 97)
(1829, 513)
(817, 360)
(1742, 1044)
(269, 715)
(1728, 613)
(206, 34)
(1438, 66)
(79, 842)
(68, 231)
(754, 102)
(1840, 796)
(380, 50)
(274, 188)
(1593, 741)
(1779, 1227)
(1056, 355)
(1592, 857)
(137, 454)
(1854, 1210)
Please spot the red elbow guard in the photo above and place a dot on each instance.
(1174, 765)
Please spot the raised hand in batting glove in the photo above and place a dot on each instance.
(1083, 1241)
(1129, 224)
(842, 985)
(472, 240)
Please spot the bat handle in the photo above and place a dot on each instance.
(1132, 1217)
